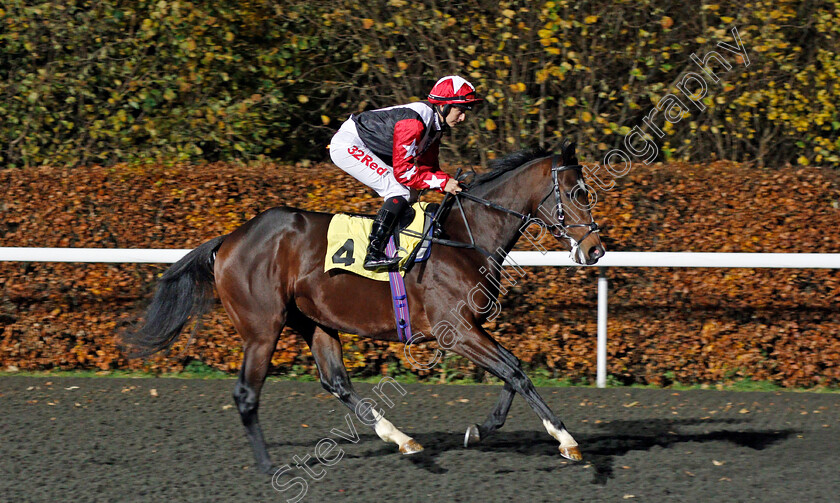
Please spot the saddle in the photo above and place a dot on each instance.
(347, 240)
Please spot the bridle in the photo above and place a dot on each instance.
(558, 229)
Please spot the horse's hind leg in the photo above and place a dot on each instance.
(258, 349)
(479, 346)
(326, 348)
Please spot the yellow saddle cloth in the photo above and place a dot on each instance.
(347, 241)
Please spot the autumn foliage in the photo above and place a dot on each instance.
(109, 80)
(665, 325)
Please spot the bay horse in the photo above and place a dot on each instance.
(269, 273)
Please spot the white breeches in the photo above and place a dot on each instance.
(349, 153)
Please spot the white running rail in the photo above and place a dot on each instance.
(520, 258)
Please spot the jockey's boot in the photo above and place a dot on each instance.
(383, 226)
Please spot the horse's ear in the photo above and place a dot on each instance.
(567, 150)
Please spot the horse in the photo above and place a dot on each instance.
(269, 274)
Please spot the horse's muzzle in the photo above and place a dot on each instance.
(596, 252)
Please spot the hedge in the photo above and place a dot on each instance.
(665, 325)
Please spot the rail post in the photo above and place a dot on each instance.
(603, 283)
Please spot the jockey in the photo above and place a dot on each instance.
(395, 151)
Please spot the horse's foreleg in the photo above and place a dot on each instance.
(494, 421)
(479, 346)
(326, 348)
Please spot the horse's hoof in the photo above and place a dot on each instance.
(572, 453)
(267, 469)
(411, 447)
(472, 435)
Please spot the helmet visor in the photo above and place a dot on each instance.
(471, 98)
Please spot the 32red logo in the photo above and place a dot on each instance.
(365, 159)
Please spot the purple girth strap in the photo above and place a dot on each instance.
(401, 315)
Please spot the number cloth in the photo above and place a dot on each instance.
(347, 240)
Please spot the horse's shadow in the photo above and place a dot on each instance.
(621, 437)
(599, 449)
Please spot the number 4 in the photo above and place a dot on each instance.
(344, 255)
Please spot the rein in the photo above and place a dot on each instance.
(559, 230)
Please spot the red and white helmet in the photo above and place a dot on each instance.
(454, 90)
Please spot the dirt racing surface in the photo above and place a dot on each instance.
(82, 439)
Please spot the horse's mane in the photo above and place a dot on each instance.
(510, 162)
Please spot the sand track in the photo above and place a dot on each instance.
(81, 439)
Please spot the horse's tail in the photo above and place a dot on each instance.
(184, 293)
